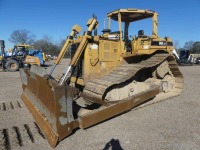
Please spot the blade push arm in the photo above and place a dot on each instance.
(92, 24)
(75, 30)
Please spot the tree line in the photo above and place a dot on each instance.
(50, 48)
(192, 46)
(45, 44)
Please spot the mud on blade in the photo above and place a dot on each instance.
(50, 105)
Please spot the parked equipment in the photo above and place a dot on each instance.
(2, 60)
(108, 74)
(20, 57)
(195, 58)
(184, 58)
(38, 54)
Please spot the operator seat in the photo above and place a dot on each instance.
(141, 34)
(106, 31)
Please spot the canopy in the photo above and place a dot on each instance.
(131, 14)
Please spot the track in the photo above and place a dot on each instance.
(179, 81)
(99, 87)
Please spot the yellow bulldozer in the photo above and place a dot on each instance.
(108, 74)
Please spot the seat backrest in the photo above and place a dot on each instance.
(140, 32)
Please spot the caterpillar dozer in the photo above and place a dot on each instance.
(108, 74)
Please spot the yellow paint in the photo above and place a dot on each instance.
(32, 60)
(103, 53)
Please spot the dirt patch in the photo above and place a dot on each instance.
(170, 124)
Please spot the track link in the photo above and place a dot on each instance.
(98, 87)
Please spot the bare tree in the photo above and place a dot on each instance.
(22, 37)
(196, 48)
(47, 46)
(188, 45)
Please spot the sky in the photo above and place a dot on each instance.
(179, 20)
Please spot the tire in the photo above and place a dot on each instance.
(12, 65)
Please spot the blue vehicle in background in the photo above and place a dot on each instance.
(37, 53)
(22, 56)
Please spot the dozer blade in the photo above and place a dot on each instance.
(49, 103)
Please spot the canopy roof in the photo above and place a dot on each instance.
(131, 14)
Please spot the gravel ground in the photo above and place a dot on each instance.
(170, 124)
